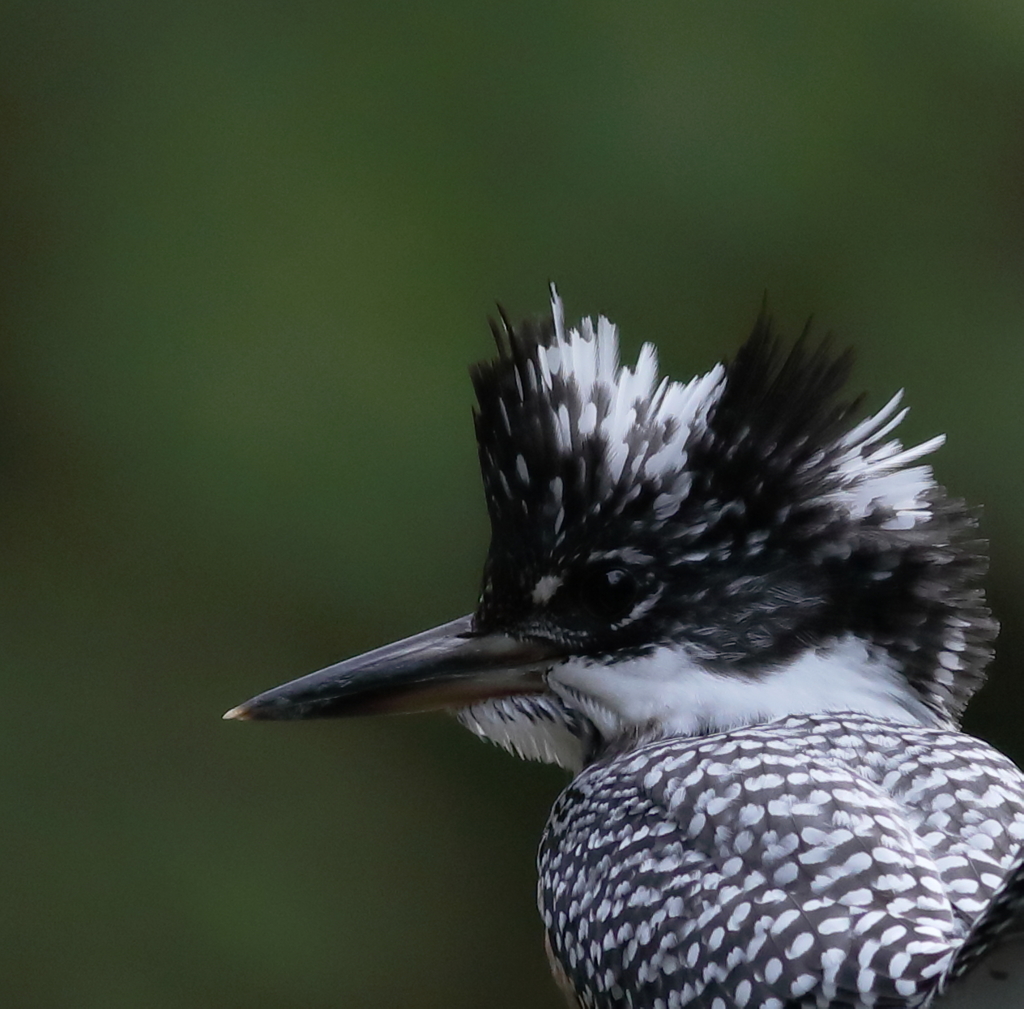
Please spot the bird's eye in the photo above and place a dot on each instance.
(608, 593)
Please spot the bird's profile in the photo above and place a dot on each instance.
(749, 623)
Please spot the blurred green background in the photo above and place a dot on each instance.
(247, 255)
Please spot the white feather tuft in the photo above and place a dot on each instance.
(534, 728)
(620, 403)
(882, 477)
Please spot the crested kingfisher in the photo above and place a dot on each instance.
(748, 621)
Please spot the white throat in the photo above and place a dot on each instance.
(668, 693)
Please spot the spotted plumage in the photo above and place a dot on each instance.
(748, 620)
(822, 860)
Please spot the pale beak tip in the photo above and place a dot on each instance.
(239, 714)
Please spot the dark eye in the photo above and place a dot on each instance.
(609, 593)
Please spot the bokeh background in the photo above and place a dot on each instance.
(247, 255)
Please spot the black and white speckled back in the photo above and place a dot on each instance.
(823, 860)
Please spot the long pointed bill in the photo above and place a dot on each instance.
(447, 667)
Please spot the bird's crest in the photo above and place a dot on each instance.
(568, 435)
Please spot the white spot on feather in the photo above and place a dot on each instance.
(545, 588)
(563, 429)
(588, 420)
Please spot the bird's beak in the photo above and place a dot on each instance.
(451, 666)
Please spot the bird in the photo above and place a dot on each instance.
(747, 620)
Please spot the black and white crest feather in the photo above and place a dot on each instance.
(754, 517)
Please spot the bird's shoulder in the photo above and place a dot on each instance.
(948, 787)
(787, 855)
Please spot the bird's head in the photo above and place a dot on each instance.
(672, 559)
